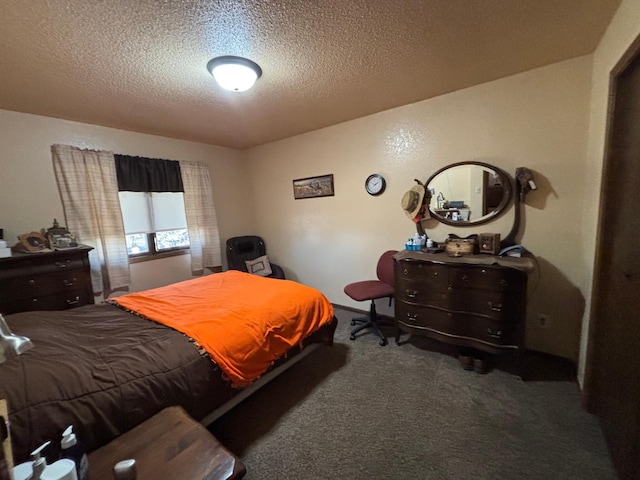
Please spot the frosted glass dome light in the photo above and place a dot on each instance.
(234, 73)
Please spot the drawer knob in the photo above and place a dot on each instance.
(62, 264)
(412, 293)
(465, 278)
(494, 333)
(31, 282)
(69, 283)
(450, 288)
(495, 307)
(34, 300)
(435, 274)
(405, 272)
(73, 302)
(412, 317)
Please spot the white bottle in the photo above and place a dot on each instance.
(39, 470)
(39, 462)
(64, 469)
(71, 449)
(125, 470)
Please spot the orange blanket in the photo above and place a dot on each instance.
(245, 322)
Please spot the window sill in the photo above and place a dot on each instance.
(157, 256)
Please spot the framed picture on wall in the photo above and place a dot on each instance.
(311, 187)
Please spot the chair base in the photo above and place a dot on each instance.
(367, 322)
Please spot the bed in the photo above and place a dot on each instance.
(107, 368)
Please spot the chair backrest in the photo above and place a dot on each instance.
(241, 249)
(384, 269)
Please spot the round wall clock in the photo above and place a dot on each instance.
(375, 184)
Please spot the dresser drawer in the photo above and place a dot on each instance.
(500, 280)
(417, 292)
(27, 287)
(422, 274)
(71, 299)
(494, 305)
(57, 301)
(34, 267)
(425, 318)
(461, 328)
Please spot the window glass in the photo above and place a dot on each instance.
(137, 243)
(135, 212)
(172, 239)
(154, 222)
(168, 211)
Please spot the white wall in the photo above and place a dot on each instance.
(29, 197)
(622, 31)
(538, 119)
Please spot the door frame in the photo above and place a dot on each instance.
(632, 51)
(621, 436)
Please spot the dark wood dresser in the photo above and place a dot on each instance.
(45, 281)
(474, 301)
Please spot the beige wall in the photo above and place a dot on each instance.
(29, 198)
(622, 31)
(537, 119)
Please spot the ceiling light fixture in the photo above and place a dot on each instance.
(234, 73)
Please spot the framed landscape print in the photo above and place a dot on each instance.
(312, 187)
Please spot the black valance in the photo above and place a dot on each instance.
(140, 174)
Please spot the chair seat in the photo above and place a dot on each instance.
(369, 290)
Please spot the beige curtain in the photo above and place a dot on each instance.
(201, 217)
(89, 190)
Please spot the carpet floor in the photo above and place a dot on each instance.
(360, 411)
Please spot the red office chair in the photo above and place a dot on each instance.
(372, 290)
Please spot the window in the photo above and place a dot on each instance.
(154, 222)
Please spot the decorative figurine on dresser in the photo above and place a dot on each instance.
(45, 274)
(470, 292)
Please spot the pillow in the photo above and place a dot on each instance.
(259, 266)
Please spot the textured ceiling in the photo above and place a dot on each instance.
(140, 65)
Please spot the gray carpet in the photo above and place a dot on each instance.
(360, 411)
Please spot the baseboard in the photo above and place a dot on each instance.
(364, 313)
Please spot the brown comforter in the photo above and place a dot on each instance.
(104, 371)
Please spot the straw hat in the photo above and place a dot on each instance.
(412, 201)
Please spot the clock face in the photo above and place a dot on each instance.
(375, 184)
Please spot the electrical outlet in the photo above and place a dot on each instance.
(544, 321)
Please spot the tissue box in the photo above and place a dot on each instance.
(5, 252)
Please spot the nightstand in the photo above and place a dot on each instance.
(170, 444)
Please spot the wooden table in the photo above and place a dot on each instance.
(169, 445)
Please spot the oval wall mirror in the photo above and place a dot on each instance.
(468, 193)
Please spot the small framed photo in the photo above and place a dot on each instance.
(59, 237)
(62, 240)
(311, 187)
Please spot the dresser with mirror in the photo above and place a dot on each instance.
(476, 301)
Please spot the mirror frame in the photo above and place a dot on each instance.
(507, 182)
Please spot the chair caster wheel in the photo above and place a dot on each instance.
(352, 337)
